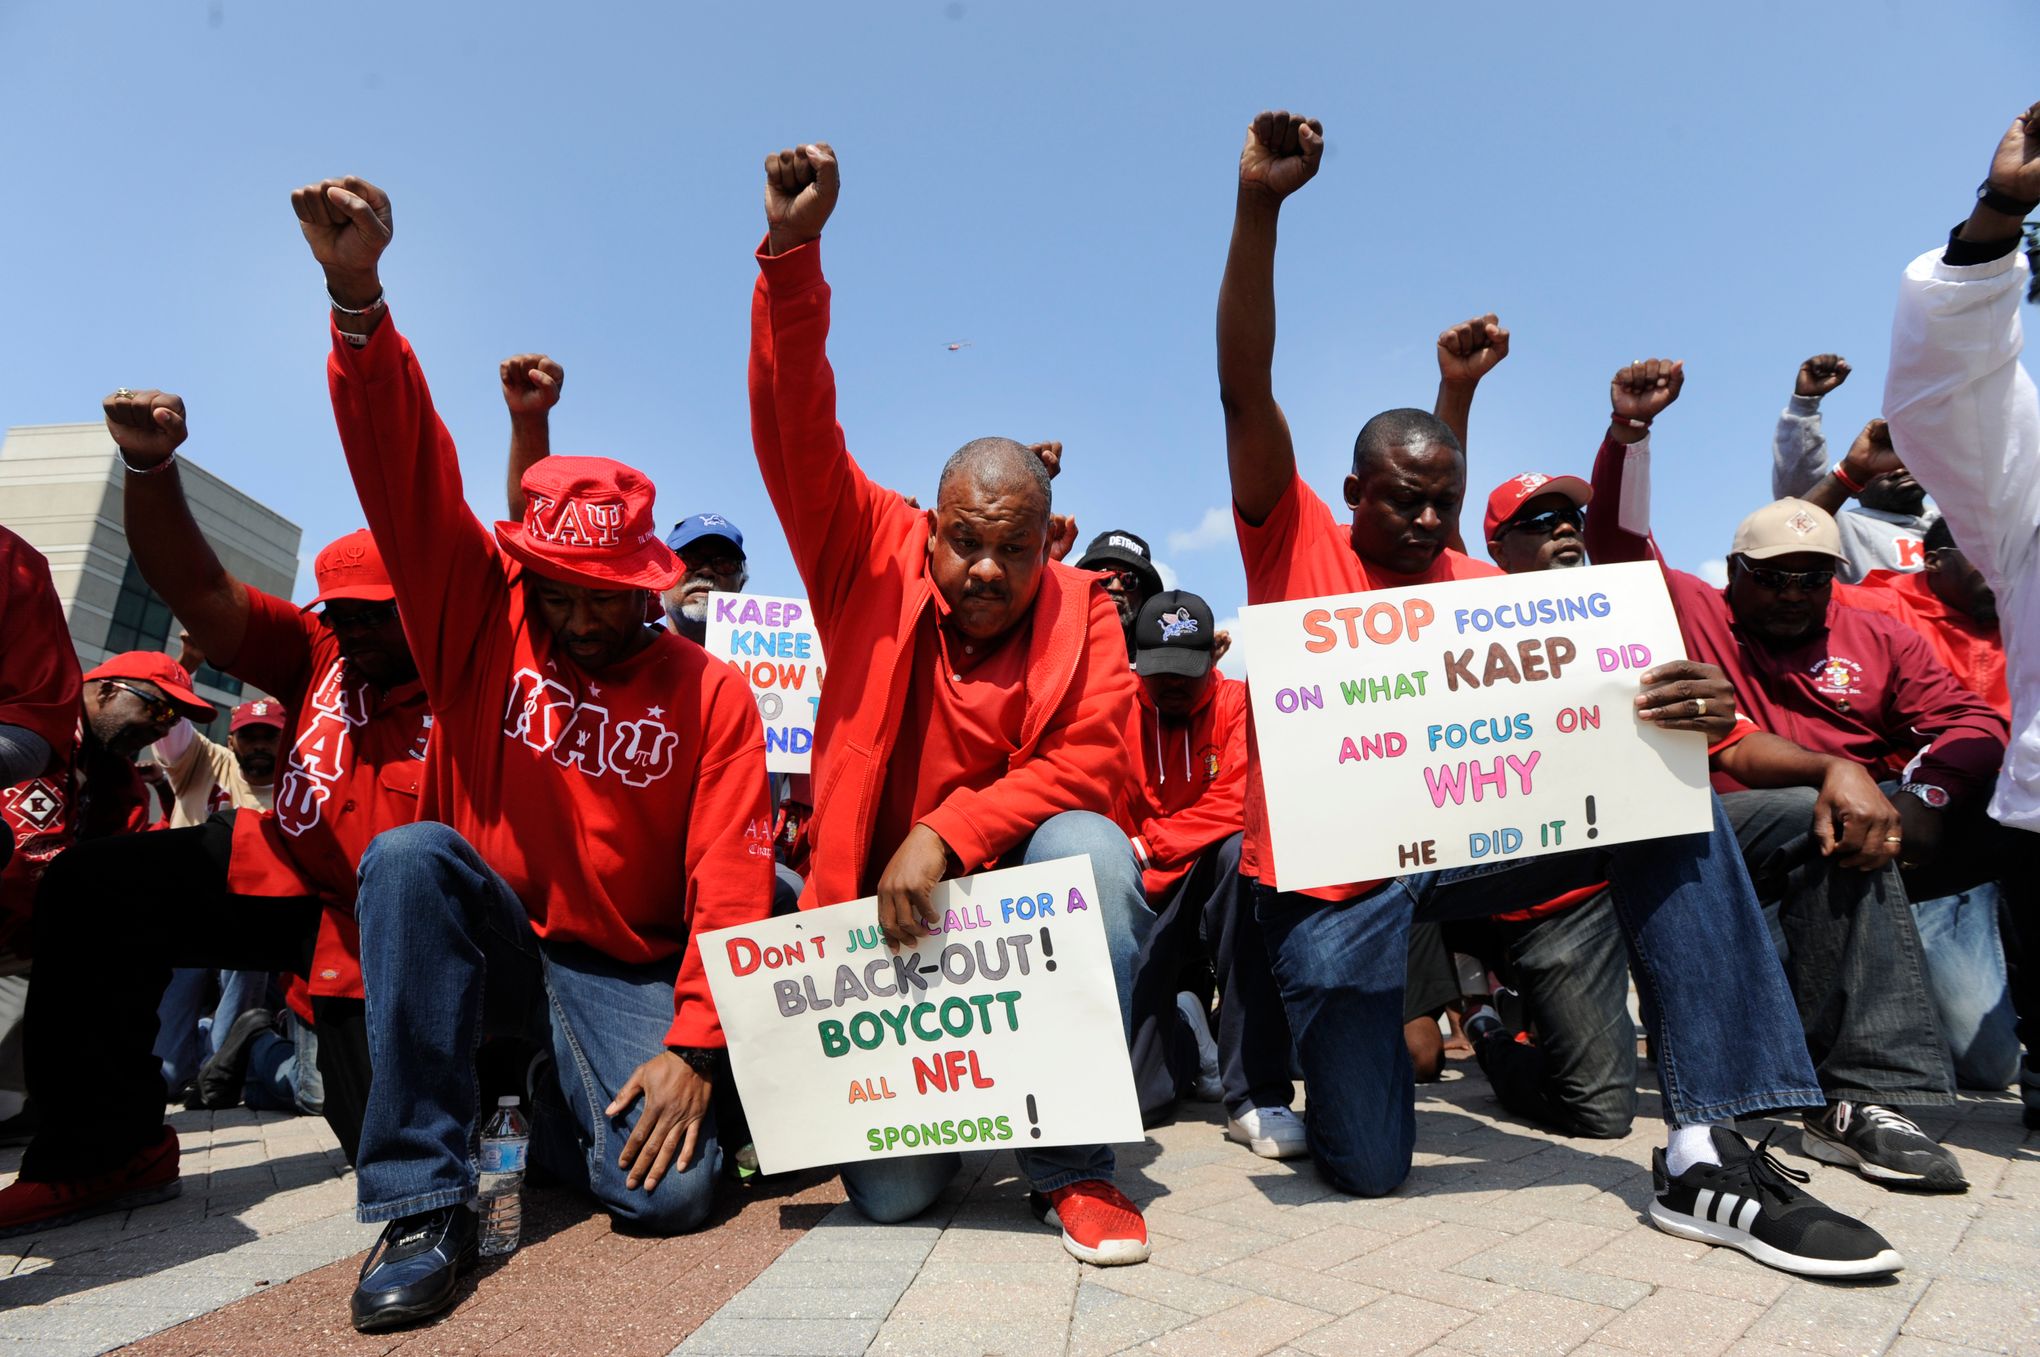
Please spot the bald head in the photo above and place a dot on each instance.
(1391, 431)
(999, 466)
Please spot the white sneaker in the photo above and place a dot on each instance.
(1271, 1132)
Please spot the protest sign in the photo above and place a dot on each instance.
(774, 643)
(1408, 730)
(1002, 1031)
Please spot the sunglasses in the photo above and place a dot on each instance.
(1546, 523)
(359, 619)
(722, 567)
(155, 704)
(1778, 581)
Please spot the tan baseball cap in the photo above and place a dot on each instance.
(1785, 528)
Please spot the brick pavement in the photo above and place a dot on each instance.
(1505, 1241)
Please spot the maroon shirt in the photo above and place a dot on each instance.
(1864, 687)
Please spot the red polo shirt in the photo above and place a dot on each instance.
(1973, 652)
(1301, 551)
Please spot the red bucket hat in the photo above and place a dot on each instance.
(351, 568)
(263, 711)
(153, 666)
(1511, 494)
(588, 521)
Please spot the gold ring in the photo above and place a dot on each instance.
(1700, 706)
(123, 392)
(1894, 838)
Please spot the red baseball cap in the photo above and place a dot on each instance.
(263, 711)
(1511, 495)
(153, 666)
(588, 521)
(351, 568)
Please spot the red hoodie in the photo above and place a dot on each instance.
(863, 554)
(1196, 781)
(626, 809)
(1973, 652)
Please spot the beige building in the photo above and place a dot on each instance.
(60, 488)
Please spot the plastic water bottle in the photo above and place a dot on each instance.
(500, 1195)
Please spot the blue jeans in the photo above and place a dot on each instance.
(186, 1036)
(448, 956)
(1725, 1031)
(283, 1071)
(1966, 976)
(902, 1187)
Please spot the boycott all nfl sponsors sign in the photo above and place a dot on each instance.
(1001, 1029)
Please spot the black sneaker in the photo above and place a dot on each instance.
(1748, 1202)
(219, 1080)
(1882, 1146)
(413, 1270)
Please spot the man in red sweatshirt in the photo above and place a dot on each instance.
(979, 697)
(1193, 744)
(593, 800)
(1725, 1030)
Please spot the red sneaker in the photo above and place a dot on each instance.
(1099, 1224)
(149, 1175)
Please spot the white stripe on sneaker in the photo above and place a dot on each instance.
(1746, 1216)
(1703, 1203)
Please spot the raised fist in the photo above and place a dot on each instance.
(1050, 454)
(531, 384)
(1471, 349)
(347, 223)
(801, 185)
(147, 426)
(1643, 389)
(1871, 454)
(2015, 169)
(1062, 535)
(1282, 153)
(1821, 374)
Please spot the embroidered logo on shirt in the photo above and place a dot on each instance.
(1208, 756)
(35, 804)
(1839, 676)
(544, 715)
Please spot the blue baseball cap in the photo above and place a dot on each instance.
(697, 526)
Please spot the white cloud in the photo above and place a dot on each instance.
(1170, 580)
(1214, 529)
(1715, 572)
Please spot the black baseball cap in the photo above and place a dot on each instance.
(1120, 548)
(1173, 635)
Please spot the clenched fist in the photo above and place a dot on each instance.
(801, 185)
(1282, 153)
(1642, 390)
(1820, 374)
(531, 384)
(1471, 349)
(147, 426)
(2015, 169)
(347, 223)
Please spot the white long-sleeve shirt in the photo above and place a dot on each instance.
(1965, 418)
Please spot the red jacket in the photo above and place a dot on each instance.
(1196, 787)
(626, 809)
(1863, 687)
(1973, 652)
(39, 682)
(862, 552)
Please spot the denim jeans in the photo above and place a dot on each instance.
(283, 1070)
(1572, 971)
(1207, 914)
(186, 1035)
(1851, 953)
(1726, 1035)
(902, 1187)
(448, 956)
(1966, 976)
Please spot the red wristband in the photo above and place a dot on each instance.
(1847, 484)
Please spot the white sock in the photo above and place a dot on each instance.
(1686, 1146)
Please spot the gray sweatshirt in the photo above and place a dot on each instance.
(1871, 538)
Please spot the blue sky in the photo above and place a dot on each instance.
(1732, 184)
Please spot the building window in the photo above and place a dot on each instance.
(141, 621)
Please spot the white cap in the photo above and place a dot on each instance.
(508, 1100)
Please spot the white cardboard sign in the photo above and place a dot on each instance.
(1447, 725)
(1002, 1031)
(773, 642)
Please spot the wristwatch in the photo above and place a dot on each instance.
(1998, 201)
(1934, 797)
(702, 1061)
